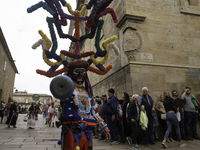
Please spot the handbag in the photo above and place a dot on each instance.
(163, 116)
(143, 120)
(119, 110)
(178, 115)
(25, 119)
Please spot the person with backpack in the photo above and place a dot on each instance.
(190, 113)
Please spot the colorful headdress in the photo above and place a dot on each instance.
(77, 22)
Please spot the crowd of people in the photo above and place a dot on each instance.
(134, 119)
(137, 118)
(9, 113)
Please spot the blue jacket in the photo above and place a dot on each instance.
(110, 106)
(132, 111)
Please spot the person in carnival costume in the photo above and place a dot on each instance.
(78, 117)
(51, 114)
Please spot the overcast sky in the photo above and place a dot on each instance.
(20, 30)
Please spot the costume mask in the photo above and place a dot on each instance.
(79, 75)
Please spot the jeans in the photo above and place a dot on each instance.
(191, 118)
(171, 117)
(148, 133)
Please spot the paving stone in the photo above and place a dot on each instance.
(5, 146)
(33, 140)
(46, 143)
(54, 148)
(37, 146)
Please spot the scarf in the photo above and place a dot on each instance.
(194, 101)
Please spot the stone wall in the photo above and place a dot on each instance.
(159, 42)
(7, 70)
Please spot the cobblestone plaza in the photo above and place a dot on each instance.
(44, 137)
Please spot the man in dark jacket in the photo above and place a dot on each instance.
(110, 110)
(147, 104)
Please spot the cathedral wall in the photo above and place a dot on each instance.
(159, 42)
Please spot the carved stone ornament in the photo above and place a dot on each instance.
(132, 41)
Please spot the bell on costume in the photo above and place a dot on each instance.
(58, 124)
(78, 129)
(68, 126)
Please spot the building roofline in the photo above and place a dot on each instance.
(4, 43)
(30, 94)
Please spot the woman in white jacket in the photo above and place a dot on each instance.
(51, 114)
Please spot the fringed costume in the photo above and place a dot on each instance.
(78, 116)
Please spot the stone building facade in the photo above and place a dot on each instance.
(24, 98)
(7, 70)
(159, 42)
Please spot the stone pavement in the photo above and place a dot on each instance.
(44, 137)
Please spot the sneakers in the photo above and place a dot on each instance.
(129, 140)
(182, 145)
(115, 143)
(135, 146)
(164, 145)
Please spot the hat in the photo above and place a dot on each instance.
(111, 91)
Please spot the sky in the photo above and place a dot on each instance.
(20, 30)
